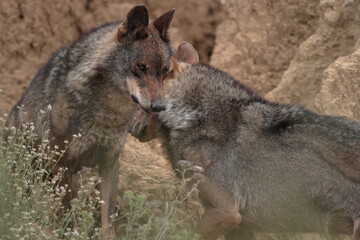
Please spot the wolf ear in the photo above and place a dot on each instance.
(187, 53)
(162, 24)
(136, 23)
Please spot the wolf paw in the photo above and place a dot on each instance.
(189, 166)
(191, 171)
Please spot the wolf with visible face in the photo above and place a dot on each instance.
(93, 87)
(268, 167)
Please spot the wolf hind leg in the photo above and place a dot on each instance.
(221, 214)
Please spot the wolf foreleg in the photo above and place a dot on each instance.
(109, 173)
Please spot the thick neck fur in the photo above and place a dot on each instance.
(206, 103)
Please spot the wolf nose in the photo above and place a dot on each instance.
(157, 106)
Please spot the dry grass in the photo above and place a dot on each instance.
(31, 198)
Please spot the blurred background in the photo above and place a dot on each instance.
(303, 52)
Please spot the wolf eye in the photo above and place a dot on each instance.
(142, 67)
(165, 71)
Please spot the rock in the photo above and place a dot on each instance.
(335, 36)
(340, 87)
(258, 39)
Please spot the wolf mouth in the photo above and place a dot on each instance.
(148, 111)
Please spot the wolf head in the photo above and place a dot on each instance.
(146, 126)
(144, 55)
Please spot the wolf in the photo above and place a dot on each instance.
(93, 87)
(267, 167)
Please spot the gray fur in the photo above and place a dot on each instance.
(288, 169)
